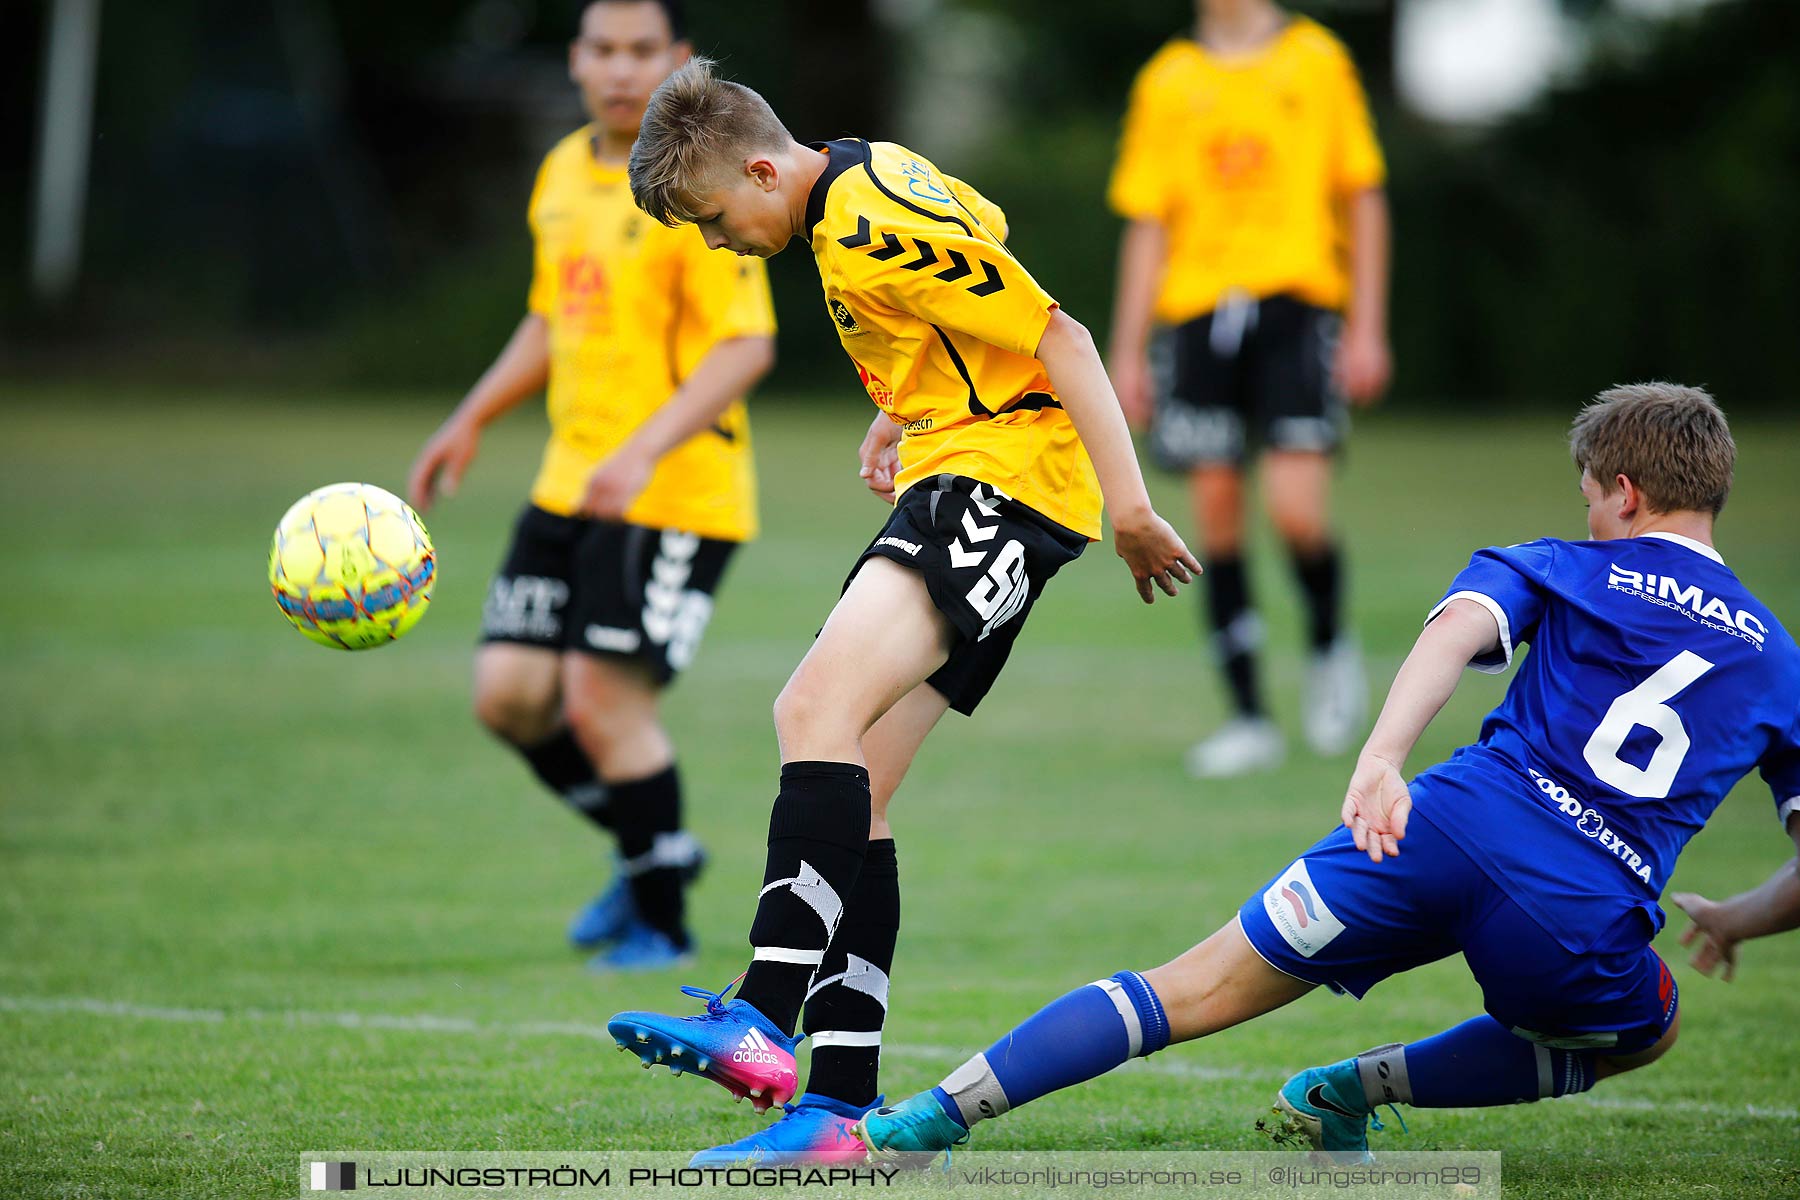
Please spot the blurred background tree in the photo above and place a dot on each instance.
(332, 193)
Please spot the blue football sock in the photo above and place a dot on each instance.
(1084, 1034)
(1476, 1064)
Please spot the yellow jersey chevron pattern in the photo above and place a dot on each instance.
(943, 325)
(892, 246)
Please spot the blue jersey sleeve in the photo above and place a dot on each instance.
(1780, 769)
(1512, 584)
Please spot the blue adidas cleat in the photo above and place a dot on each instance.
(914, 1131)
(611, 915)
(642, 949)
(1326, 1107)
(732, 1044)
(814, 1129)
(607, 917)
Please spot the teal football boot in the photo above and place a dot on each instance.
(1326, 1106)
(913, 1132)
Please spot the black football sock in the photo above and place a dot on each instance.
(1236, 630)
(847, 1005)
(1321, 581)
(647, 818)
(565, 770)
(818, 834)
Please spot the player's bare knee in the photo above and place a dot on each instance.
(589, 721)
(605, 723)
(521, 717)
(797, 707)
(1226, 546)
(1618, 1064)
(605, 694)
(591, 706)
(521, 727)
(1304, 533)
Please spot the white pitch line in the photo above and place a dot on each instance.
(921, 1052)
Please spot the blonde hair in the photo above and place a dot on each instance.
(1671, 441)
(694, 128)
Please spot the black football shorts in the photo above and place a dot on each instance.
(1250, 374)
(985, 558)
(606, 589)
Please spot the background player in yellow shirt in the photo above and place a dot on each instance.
(1257, 249)
(648, 345)
(998, 434)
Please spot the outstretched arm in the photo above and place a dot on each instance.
(729, 369)
(1377, 803)
(519, 371)
(1719, 925)
(1142, 249)
(1150, 547)
(1364, 361)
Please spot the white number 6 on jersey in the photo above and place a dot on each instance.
(1644, 705)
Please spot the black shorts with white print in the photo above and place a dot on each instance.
(985, 558)
(1250, 375)
(606, 589)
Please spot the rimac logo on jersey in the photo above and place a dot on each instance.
(1691, 602)
(846, 320)
(1299, 912)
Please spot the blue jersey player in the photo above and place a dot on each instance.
(1654, 683)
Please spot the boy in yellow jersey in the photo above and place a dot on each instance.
(648, 346)
(998, 434)
(1257, 249)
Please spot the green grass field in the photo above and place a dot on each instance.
(258, 897)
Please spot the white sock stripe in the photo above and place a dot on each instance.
(859, 975)
(1134, 1028)
(1546, 1080)
(677, 849)
(845, 1037)
(1245, 633)
(785, 954)
(588, 797)
(1383, 1075)
(976, 1092)
(815, 892)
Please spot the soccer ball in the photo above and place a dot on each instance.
(352, 566)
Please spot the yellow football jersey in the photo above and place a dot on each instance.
(633, 306)
(1247, 161)
(943, 325)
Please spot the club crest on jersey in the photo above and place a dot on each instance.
(1690, 601)
(846, 320)
(920, 183)
(1299, 912)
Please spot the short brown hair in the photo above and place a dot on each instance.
(694, 125)
(1669, 440)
